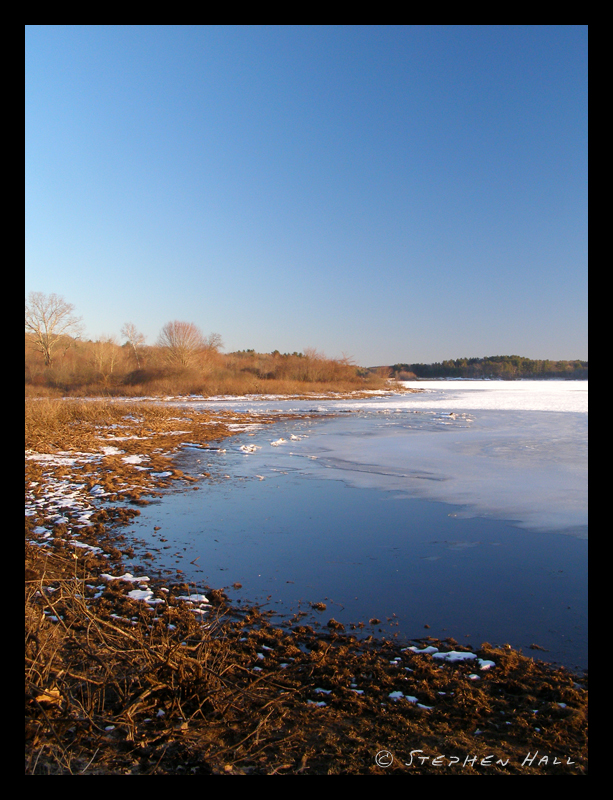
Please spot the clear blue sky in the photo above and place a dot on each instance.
(394, 193)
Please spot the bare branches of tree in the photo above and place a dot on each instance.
(49, 318)
(135, 339)
(182, 341)
(105, 355)
(185, 344)
(213, 342)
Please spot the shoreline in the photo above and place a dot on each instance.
(274, 701)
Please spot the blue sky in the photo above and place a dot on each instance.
(393, 193)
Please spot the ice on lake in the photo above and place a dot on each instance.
(506, 450)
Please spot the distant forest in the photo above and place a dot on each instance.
(500, 367)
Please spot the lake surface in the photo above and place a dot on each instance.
(463, 509)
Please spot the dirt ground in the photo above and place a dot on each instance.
(132, 675)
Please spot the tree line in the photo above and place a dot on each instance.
(182, 361)
(495, 367)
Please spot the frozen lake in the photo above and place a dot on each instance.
(462, 508)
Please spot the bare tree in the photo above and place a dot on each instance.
(105, 353)
(213, 342)
(182, 341)
(49, 318)
(135, 338)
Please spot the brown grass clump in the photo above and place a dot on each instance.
(92, 672)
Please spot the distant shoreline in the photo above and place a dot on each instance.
(512, 367)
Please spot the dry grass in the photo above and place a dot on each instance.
(213, 385)
(89, 674)
(63, 424)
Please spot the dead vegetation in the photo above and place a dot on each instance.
(116, 685)
(184, 362)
